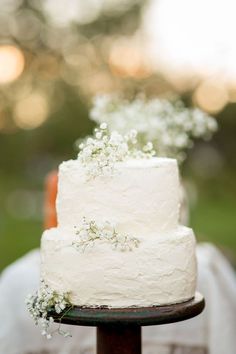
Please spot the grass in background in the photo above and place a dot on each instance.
(214, 220)
(17, 238)
(18, 235)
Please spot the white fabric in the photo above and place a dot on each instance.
(214, 329)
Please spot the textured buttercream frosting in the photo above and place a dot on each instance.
(160, 271)
(141, 199)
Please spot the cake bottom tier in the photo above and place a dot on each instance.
(162, 270)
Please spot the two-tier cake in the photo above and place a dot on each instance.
(118, 242)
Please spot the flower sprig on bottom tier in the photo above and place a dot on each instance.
(90, 232)
(100, 153)
(43, 301)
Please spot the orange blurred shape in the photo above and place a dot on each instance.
(50, 216)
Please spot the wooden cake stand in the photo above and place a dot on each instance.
(119, 330)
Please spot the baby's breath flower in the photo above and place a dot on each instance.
(148, 147)
(103, 126)
(40, 303)
(170, 126)
(100, 153)
(91, 231)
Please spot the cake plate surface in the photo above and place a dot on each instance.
(119, 330)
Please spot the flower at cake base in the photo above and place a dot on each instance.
(44, 301)
(90, 232)
(100, 153)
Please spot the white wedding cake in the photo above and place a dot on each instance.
(118, 242)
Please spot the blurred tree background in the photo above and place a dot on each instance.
(54, 56)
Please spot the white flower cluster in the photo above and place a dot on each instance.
(100, 153)
(170, 126)
(90, 231)
(43, 301)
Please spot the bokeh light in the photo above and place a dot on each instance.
(32, 111)
(79, 11)
(11, 63)
(211, 96)
(126, 58)
(82, 12)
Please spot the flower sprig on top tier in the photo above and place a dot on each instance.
(90, 231)
(43, 301)
(168, 124)
(99, 153)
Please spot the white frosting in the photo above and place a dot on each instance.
(142, 200)
(141, 197)
(161, 270)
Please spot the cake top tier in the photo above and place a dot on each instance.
(139, 198)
